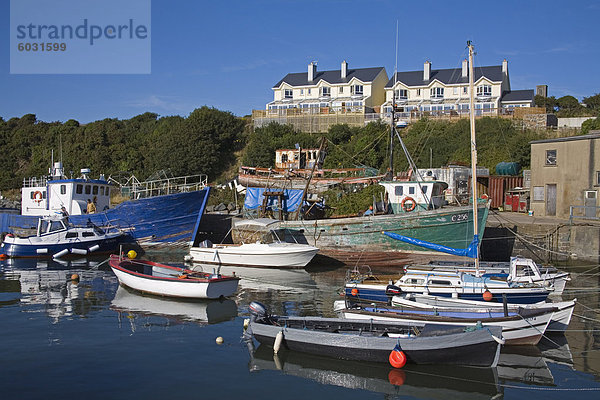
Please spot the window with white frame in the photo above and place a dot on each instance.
(455, 90)
(301, 91)
(287, 93)
(356, 89)
(484, 90)
(341, 89)
(597, 178)
(465, 91)
(401, 94)
(436, 92)
(325, 91)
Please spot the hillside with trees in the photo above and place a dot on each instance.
(203, 142)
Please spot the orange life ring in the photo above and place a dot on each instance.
(409, 208)
(37, 196)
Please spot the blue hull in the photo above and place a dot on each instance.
(380, 296)
(150, 221)
(21, 250)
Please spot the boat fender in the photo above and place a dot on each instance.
(392, 290)
(79, 251)
(278, 341)
(94, 248)
(408, 207)
(61, 253)
(397, 357)
(487, 295)
(497, 339)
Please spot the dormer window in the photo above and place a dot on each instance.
(356, 89)
(325, 91)
(287, 93)
(436, 93)
(484, 90)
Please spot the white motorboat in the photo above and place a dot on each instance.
(276, 254)
(520, 327)
(559, 322)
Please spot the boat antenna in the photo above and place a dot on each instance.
(473, 156)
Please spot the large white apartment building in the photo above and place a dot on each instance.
(345, 90)
(446, 91)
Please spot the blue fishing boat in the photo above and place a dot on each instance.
(161, 212)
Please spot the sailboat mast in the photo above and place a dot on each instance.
(473, 153)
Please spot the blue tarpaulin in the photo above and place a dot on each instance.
(470, 251)
(291, 199)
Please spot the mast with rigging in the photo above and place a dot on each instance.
(473, 155)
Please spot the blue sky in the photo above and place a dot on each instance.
(228, 54)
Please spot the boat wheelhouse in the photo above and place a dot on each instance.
(46, 196)
(415, 195)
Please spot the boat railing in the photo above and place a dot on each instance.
(164, 186)
(35, 181)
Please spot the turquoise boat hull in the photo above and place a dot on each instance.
(355, 239)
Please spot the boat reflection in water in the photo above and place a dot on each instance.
(419, 381)
(139, 305)
(523, 364)
(263, 279)
(47, 284)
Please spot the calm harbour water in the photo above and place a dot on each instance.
(97, 340)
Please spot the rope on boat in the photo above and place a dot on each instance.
(586, 318)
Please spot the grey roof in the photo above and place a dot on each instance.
(333, 77)
(446, 76)
(568, 139)
(518, 95)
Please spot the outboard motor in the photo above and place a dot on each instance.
(392, 290)
(258, 311)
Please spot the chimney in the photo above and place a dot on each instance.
(505, 67)
(344, 69)
(465, 68)
(312, 71)
(426, 71)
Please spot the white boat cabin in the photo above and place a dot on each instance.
(415, 195)
(47, 195)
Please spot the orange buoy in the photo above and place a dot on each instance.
(3, 256)
(354, 292)
(75, 277)
(397, 358)
(397, 377)
(487, 295)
